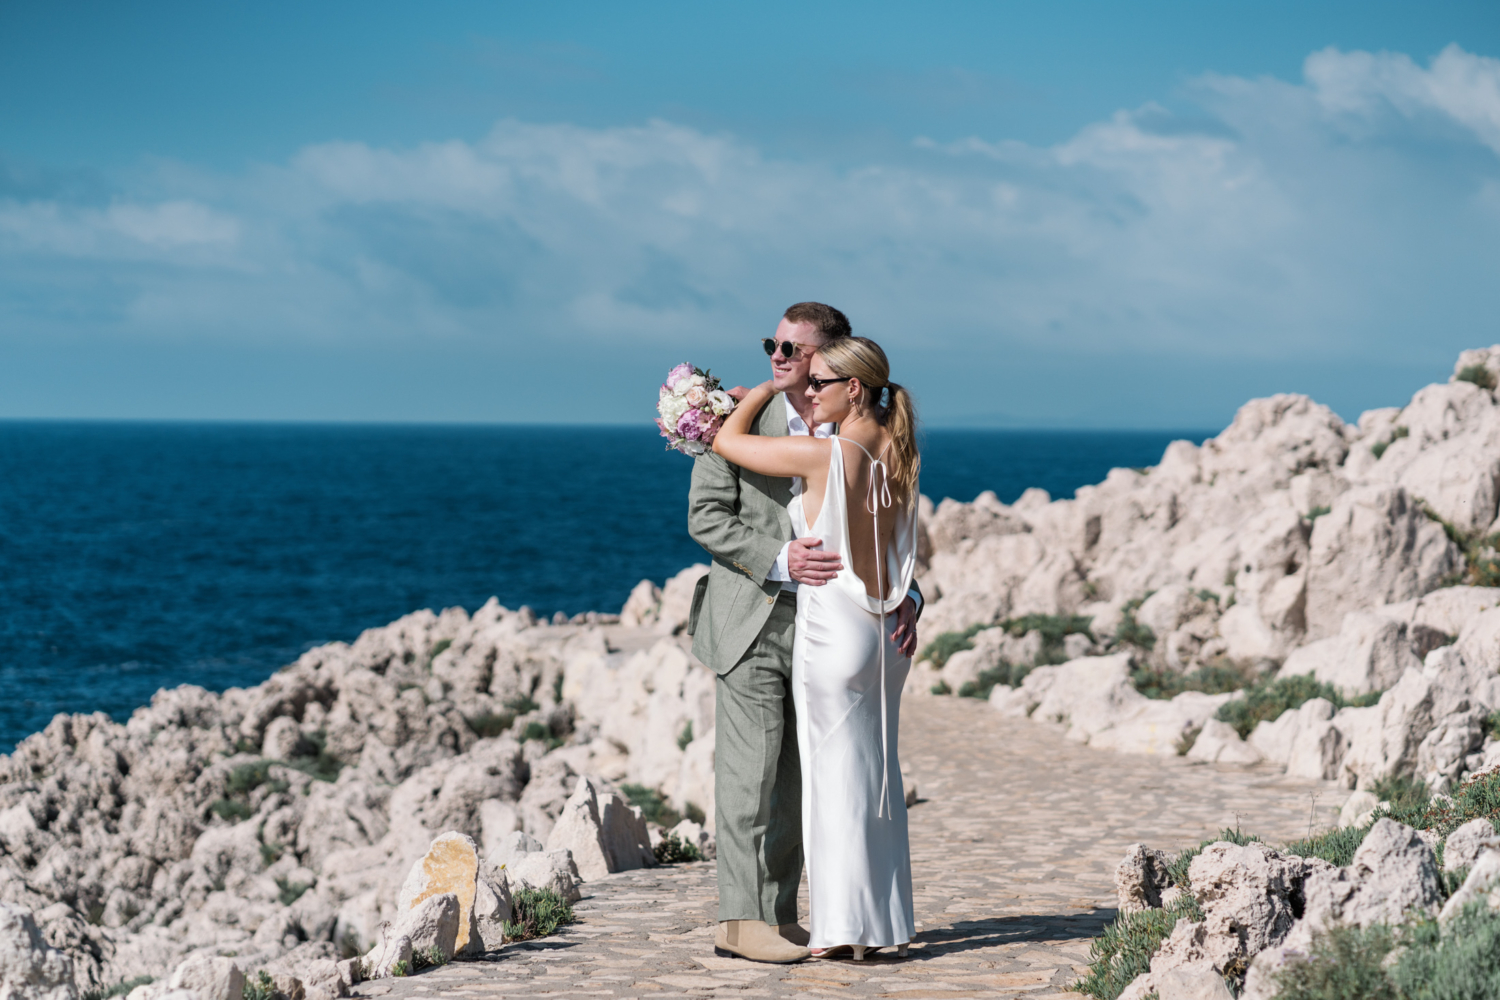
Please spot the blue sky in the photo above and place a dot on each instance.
(1051, 214)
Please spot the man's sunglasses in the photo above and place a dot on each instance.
(786, 347)
(818, 383)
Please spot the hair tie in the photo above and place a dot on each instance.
(885, 397)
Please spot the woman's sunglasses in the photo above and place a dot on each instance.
(818, 383)
(786, 347)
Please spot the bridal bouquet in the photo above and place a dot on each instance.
(692, 407)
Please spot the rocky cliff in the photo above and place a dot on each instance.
(283, 818)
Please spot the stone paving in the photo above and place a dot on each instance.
(1014, 842)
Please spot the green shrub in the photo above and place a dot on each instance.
(537, 913)
(1268, 699)
(430, 958)
(313, 759)
(1478, 797)
(1125, 948)
(521, 704)
(401, 968)
(1006, 674)
(260, 987)
(1218, 677)
(290, 891)
(488, 725)
(1336, 846)
(1459, 961)
(1053, 629)
(652, 805)
(1343, 964)
(686, 736)
(1481, 558)
(231, 810)
(437, 648)
(673, 849)
(1406, 795)
(542, 731)
(941, 687)
(246, 778)
(1185, 742)
(119, 989)
(945, 644)
(1478, 375)
(1318, 512)
(1131, 632)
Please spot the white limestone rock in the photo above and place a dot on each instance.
(1464, 845)
(604, 832)
(677, 599)
(1374, 547)
(1141, 878)
(433, 926)
(1482, 883)
(1357, 809)
(29, 967)
(391, 949)
(1218, 743)
(1393, 874)
(643, 606)
(209, 977)
(552, 870)
(450, 867)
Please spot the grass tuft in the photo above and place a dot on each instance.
(1131, 632)
(488, 725)
(673, 849)
(1125, 948)
(652, 804)
(1267, 700)
(119, 989)
(1220, 676)
(1344, 963)
(1478, 375)
(537, 913)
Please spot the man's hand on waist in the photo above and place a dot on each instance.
(809, 565)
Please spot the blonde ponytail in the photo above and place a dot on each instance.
(862, 358)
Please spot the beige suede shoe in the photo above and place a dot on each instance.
(795, 933)
(756, 941)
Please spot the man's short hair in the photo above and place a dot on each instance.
(827, 320)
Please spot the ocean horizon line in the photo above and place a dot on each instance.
(1196, 433)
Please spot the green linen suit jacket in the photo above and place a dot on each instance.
(740, 518)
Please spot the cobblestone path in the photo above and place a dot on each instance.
(1014, 843)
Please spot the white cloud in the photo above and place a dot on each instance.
(1343, 213)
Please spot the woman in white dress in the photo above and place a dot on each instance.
(859, 496)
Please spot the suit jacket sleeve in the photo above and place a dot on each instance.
(714, 520)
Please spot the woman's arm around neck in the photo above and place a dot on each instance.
(770, 456)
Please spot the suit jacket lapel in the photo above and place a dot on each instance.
(771, 422)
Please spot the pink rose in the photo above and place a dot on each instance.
(697, 396)
(678, 375)
(710, 427)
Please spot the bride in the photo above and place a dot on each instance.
(860, 498)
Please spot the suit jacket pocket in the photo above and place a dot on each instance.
(699, 590)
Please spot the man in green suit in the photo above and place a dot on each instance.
(742, 623)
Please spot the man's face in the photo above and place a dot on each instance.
(790, 374)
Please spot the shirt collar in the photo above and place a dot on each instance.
(797, 426)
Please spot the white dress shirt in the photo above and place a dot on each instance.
(796, 425)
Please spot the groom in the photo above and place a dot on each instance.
(742, 622)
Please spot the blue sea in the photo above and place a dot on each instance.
(140, 555)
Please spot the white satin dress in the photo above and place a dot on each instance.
(847, 677)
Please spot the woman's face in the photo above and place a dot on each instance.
(831, 403)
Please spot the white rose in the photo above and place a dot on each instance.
(671, 409)
(697, 380)
(721, 402)
(696, 396)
